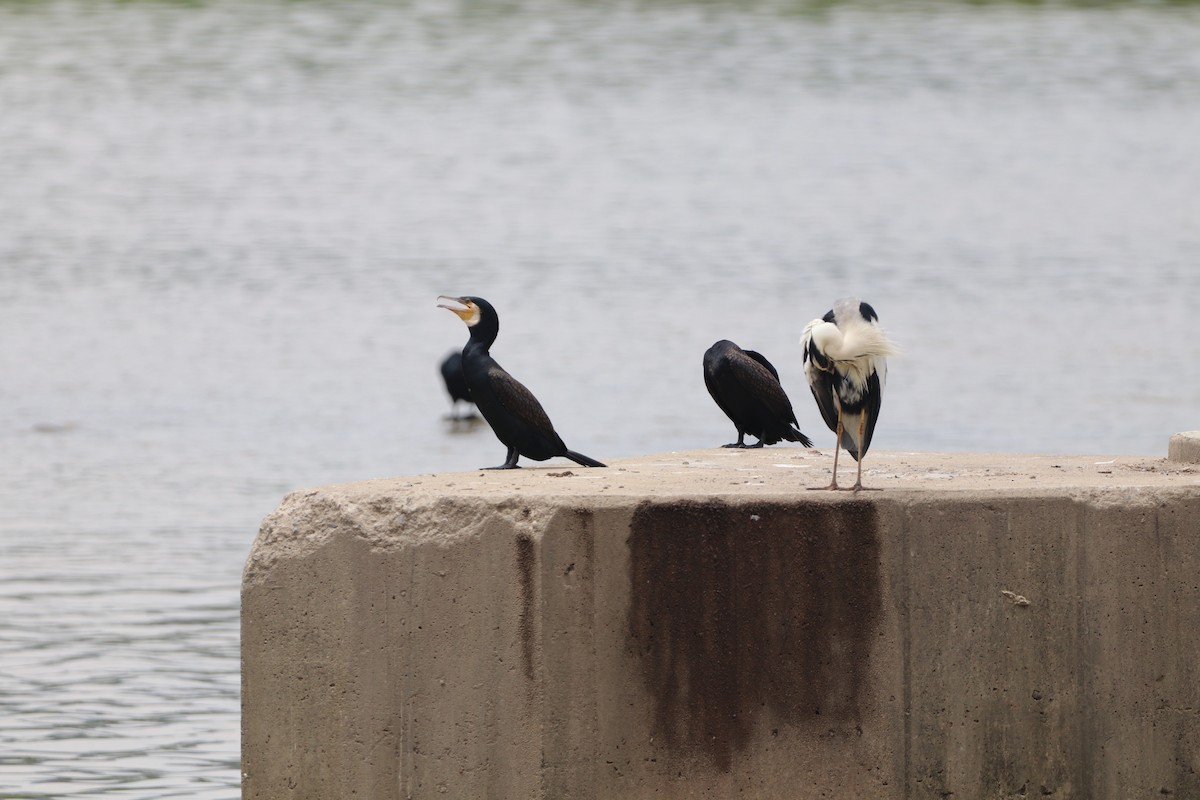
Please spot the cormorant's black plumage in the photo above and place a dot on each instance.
(746, 387)
(456, 381)
(516, 416)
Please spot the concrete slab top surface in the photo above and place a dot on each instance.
(776, 471)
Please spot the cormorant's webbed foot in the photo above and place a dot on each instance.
(510, 462)
(740, 443)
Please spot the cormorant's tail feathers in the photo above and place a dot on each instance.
(793, 434)
(580, 458)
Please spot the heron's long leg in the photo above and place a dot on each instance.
(837, 445)
(862, 429)
(836, 449)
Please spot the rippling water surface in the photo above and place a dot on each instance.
(223, 227)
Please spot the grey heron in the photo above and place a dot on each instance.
(845, 362)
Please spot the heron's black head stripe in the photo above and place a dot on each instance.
(867, 312)
(818, 358)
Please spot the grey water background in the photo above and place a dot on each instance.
(224, 225)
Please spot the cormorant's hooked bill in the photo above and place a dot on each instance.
(516, 416)
(469, 313)
(745, 385)
(845, 361)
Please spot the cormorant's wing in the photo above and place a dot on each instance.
(760, 358)
(762, 382)
(524, 408)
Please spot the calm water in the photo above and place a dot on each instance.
(223, 227)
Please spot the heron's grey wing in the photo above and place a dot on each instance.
(821, 384)
(817, 370)
(872, 402)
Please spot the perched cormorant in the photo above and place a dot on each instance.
(746, 387)
(845, 361)
(516, 417)
(456, 383)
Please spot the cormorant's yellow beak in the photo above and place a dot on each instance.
(469, 314)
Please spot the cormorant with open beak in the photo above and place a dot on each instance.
(516, 416)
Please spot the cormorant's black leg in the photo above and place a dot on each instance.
(510, 462)
(741, 442)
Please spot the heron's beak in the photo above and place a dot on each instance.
(469, 314)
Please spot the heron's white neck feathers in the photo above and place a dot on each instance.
(851, 339)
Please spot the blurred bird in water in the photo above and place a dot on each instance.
(746, 387)
(845, 362)
(516, 417)
(456, 385)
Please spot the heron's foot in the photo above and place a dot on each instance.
(504, 466)
(833, 487)
(858, 487)
(737, 445)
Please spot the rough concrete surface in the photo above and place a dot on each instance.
(1185, 447)
(698, 625)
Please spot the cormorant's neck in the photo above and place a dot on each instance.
(483, 333)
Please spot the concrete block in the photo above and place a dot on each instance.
(1184, 447)
(697, 625)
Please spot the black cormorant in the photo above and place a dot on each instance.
(516, 417)
(746, 387)
(456, 384)
(845, 361)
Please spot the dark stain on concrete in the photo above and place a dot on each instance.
(526, 566)
(739, 611)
